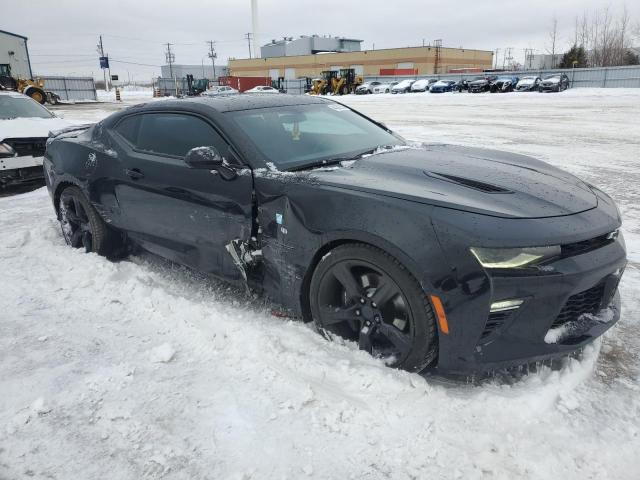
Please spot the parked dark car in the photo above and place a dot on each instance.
(456, 258)
(480, 84)
(442, 86)
(558, 82)
(462, 85)
(528, 84)
(504, 83)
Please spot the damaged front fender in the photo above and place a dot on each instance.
(301, 219)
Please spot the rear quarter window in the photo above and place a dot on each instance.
(128, 128)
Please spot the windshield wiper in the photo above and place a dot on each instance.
(336, 160)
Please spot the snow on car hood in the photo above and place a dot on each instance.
(552, 80)
(476, 180)
(31, 127)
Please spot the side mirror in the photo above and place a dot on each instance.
(204, 157)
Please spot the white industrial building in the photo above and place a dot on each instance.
(198, 71)
(309, 45)
(14, 55)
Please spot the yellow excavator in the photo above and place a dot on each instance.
(334, 82)
(31, 88)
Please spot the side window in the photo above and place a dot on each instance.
(128, 128)
(175, 134)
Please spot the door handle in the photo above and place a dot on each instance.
(134, 173)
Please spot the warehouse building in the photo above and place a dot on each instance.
(14, 55)
(392, 61)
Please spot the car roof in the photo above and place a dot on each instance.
(10, 93)
(246, 101)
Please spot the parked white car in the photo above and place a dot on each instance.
(422, 85)
(262, 89)
(384, 87)
(404, 86)
(24, 128)
(367, 87)
(219, 90)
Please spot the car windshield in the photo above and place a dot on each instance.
(528, 79)
(553, 77)
(21, 107)
(302, 136)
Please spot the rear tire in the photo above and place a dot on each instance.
(363, 294)
(82, 227)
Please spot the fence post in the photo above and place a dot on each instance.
(66, 91)
(604, 80)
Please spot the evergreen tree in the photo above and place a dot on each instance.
(575, 54)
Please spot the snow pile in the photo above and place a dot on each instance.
(252, 396)
(162, 354)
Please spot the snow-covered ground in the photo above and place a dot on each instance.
(144, 369)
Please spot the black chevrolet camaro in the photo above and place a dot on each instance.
(459, 259)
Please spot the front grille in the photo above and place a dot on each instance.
(578, 248)
(495, 321)
(579, 304)
(34, 147)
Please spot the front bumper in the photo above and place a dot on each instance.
(18, 170)
(583, 279)
(537, 330)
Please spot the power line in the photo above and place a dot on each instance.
(134, 63)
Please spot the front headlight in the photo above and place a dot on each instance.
(514, 257)
(6, 150)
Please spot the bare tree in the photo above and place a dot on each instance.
(605, 37)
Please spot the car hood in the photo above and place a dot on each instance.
(476, 180)
(31, 127)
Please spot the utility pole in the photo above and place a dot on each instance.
(104, 70)
(496, 62)
(436, 65)
(170, 57)
(213, 55)
(248, 37)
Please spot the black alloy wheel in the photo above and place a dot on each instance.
(362, 294)
(82, 227)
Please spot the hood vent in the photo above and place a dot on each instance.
(467, 182)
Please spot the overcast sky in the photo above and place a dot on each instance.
(63, 34)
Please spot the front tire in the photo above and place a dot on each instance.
(36, 94)
(82, 227)
(363, 294)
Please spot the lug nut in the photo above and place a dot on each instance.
(358, 313)
(362, 300)
(373, 304)
(377, 318)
